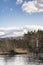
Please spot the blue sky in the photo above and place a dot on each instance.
(21, 12)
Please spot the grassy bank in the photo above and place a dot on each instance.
(17, 51)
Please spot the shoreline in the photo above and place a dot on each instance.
(8, 53)
(17, 51)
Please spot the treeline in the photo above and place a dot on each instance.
(32, 41)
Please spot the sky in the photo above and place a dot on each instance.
(19, 16)
(21, 12)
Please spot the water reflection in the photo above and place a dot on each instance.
(19, 60)
(16, 60)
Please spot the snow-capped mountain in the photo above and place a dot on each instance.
(18, 31)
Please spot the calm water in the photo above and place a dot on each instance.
(19, 60)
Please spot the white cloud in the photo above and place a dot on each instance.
(33, 6)
(19, 1)
(2, 33)
(29, 7)
(18, 31)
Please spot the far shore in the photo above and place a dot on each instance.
(17, 51)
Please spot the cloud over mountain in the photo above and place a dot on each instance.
(18, 31)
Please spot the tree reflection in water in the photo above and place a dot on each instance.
(19, 60)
